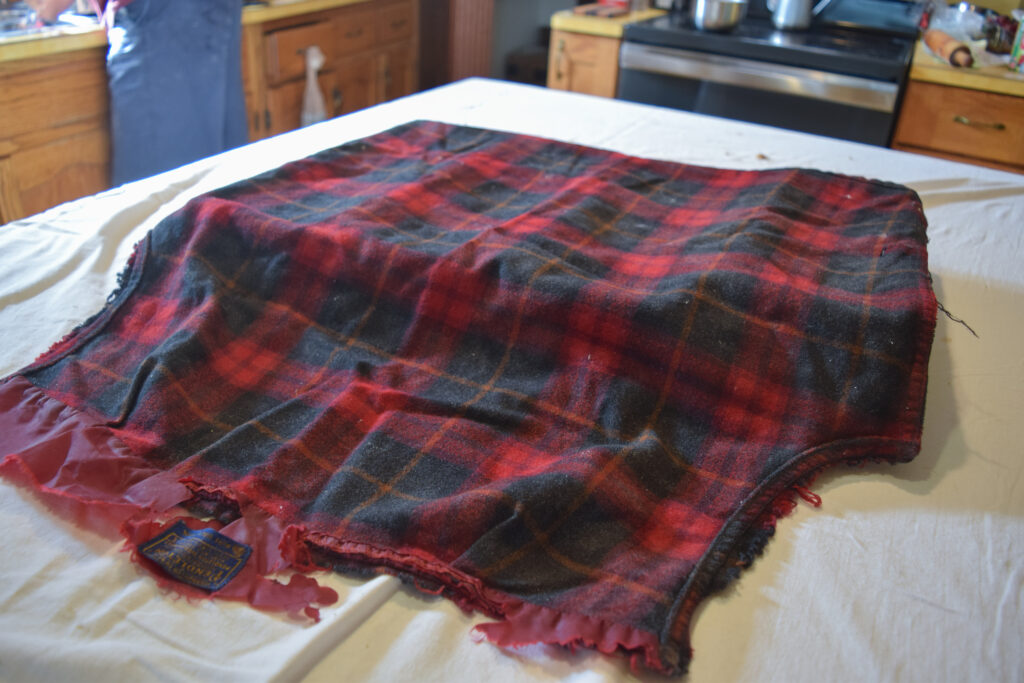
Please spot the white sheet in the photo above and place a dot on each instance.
(909, 573)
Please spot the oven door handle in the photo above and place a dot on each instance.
(699, 66)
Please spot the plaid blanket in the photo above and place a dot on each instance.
(566, 387)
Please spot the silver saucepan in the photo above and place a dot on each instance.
(718, 15)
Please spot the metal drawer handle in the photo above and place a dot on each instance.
(959, 118)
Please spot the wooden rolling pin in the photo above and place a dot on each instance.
(948, 48)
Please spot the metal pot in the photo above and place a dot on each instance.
(794, 14)
(718, 15)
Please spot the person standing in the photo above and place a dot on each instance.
(175, 80)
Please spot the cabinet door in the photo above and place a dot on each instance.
(284, 103)
(254, 80)
(397, 73)
(62, 169)
(583, 63)
(353, 87)
(370, 50)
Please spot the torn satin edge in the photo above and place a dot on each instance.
(128, 499)
(84, 474)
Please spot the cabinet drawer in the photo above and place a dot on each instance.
(353, 30)
(394, 22)
(396, 73)
(285, 49)
(965, 122)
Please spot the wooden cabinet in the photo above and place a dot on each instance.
(970, 115)
(369, 51)
(54, 131)
(54, 102)
(583, 63)
(975, 126)
(583, 55)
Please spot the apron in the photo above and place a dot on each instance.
(174, 71)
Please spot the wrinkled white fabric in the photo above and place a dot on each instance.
(906, 573)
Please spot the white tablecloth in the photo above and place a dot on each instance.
(908, 573)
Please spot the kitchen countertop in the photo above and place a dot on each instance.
(279, 9)
(59, 39)
(997, 79)
(50, 41)
(566, 20)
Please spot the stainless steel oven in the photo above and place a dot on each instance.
(841, 78)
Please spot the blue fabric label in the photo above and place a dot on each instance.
(202, 558)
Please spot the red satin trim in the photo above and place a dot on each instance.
(85, 474)
(526, 624)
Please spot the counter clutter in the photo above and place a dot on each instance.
(948, 48)
(964, 114)
(964, 35)
(965, 96)
(54, 131)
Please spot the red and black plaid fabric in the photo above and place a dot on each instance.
(561, 385)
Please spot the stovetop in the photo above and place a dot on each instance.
(870, 54)
(884, 16)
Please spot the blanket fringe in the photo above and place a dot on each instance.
(118, 497)
(526, 624)
(520, 623)
(142, 510)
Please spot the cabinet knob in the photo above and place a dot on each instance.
(960, 118)
(337, 99)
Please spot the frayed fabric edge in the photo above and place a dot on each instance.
(526, 624)
(752, 544)
(127, 279)
(126, 499)
(44, 435)
(745, 537)
(118, 496)
(520, 623)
